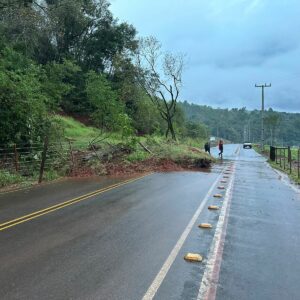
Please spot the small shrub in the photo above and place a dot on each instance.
(137, 156)
(7, 178)
(50, 175)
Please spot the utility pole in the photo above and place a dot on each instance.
(249, 131)
(262, 86)
(245, 133)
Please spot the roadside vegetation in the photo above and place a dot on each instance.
(281, 128)
(77, 82)
(84, 150)
(294, 152)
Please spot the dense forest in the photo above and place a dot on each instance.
(74, 57)
(238, 125)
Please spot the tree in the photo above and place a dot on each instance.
(123, 74)
(147, 119)
(108, 110)
(195, 130)
(57, 83)
(23, 26)
(160, 75)
(23, 113)
(272, 120)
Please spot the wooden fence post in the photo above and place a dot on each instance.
(16, 158)
(299, 162)
(44, 155)
(72, 157)
(280, 153)
(290, 158)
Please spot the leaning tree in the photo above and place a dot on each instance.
(160, 76)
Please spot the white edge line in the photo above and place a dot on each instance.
(152, 290)
(208, 280)
(285, 179)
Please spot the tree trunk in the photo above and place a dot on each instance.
(172, 131)
(167, 131)
(170, 128)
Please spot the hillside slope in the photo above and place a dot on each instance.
(235, 124)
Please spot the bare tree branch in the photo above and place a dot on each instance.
(160, 77)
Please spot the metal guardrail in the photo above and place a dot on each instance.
(284, 157)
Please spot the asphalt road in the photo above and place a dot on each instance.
(66, 241)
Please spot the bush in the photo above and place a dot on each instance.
(22, 101)
(137, 156)
(109, 113)
(7, 178)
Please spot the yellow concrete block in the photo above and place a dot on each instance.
(218, 196)
(213, 207)
(205, 225)
(193, 257)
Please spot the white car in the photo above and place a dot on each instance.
(247, 145)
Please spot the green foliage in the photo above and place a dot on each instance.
(75, 101)
(23, 114)
(109, 112)
(280, 128)
(75, 56)
(138, 156)
(25, 28)
(124, 124)
(147, 119)
(50, 175)
(195, 130)
(160, 77)
(56, 32)
(58, 83)
(74, 130)
(175, 151)
(7, 178)
(272, 122)
(28, 93)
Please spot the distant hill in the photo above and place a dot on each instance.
(238, 125)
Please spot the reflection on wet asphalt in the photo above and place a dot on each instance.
(261, 254)
(113, 245)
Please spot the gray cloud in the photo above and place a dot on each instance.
(257, 56)
(231, 45)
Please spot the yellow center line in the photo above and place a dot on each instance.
(50, 209)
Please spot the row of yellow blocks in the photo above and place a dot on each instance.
(195, 257)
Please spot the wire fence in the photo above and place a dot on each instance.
(287, 158)
(34, 159)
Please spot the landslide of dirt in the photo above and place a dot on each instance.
(156, 165)
(112, 161)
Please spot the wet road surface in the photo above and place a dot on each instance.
(261, 253)
(128, 242)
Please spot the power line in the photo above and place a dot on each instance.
(262, 86)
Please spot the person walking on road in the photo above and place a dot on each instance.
(207, 147)
(221, 149)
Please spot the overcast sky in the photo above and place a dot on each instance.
(230, 45)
